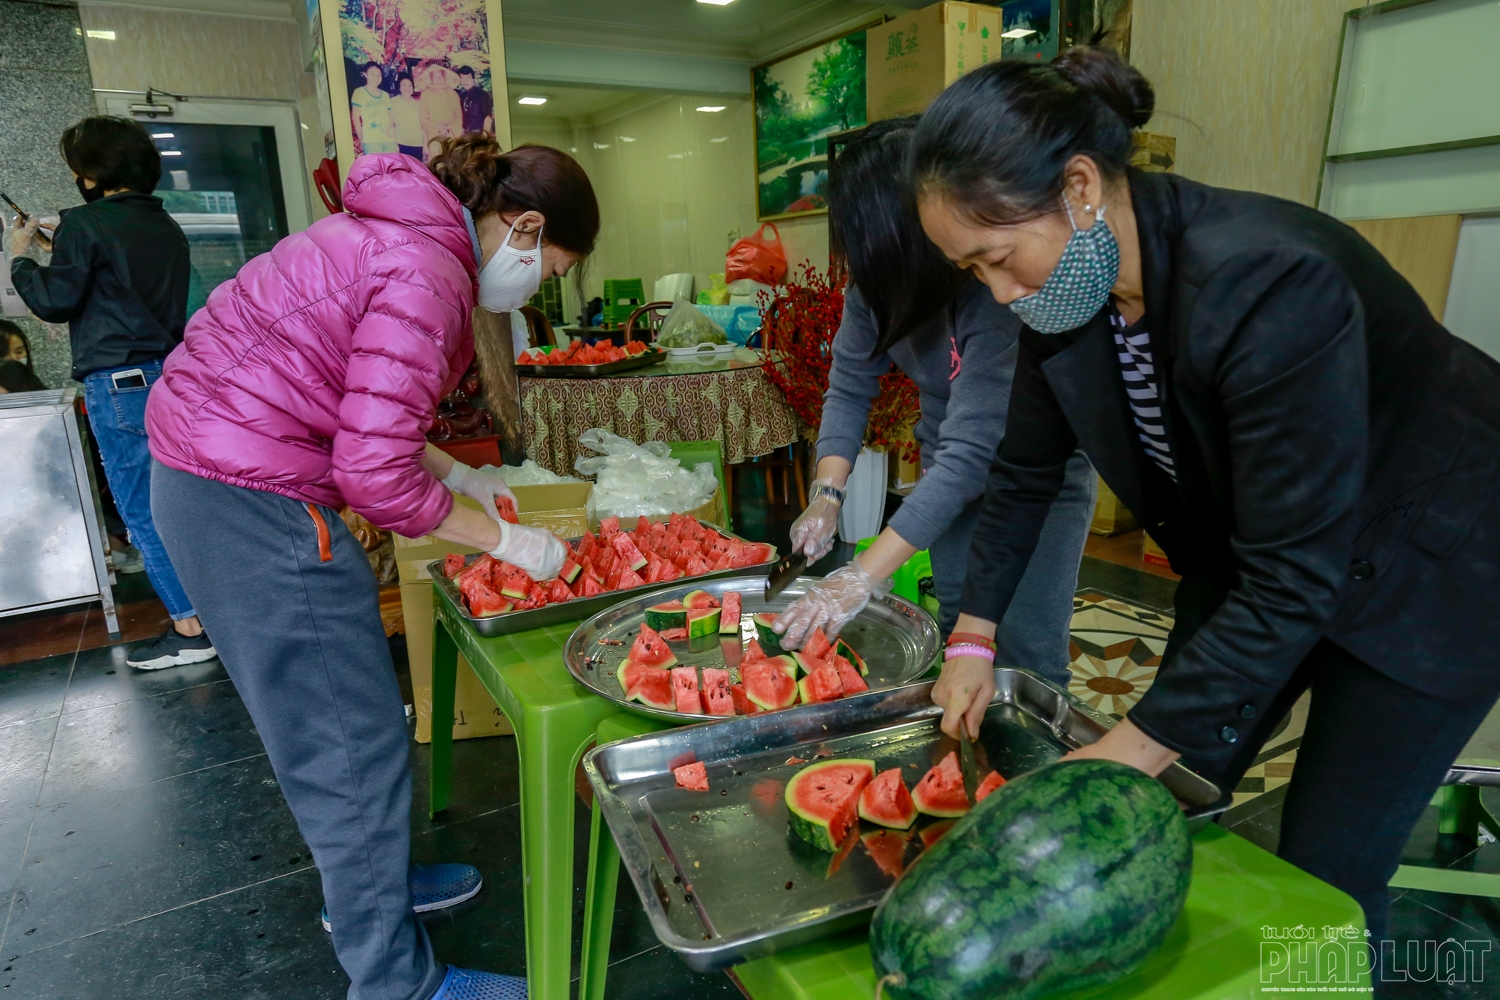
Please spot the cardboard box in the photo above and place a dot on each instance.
(1155, 152)
(562, 508)
(1110, 515)
(910, 60)
(1152, 553)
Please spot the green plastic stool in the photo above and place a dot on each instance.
(694, 453)
(555, 720)
(907, 581)
(604, 871)
(1214, 952)
(622, 296)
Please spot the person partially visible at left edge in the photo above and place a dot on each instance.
(1315, 453)
(119, 278)
(306, 383)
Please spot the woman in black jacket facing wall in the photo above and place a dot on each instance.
(1315, 453)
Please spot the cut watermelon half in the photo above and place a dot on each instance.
(729, 619)
(651, 650)
(822, 800)
(991, 782)
(886, 801)
(767, 685)
(941, 790)
(717, 697)
(817, 645)
(651, 686)
(848, 676)
(821, 685)
(887, 848)
(670, 614)
(697, 600)
(845, 650)
(703, 622)
(628, 552)
(693, 777)
(685, 688)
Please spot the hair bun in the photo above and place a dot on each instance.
(1101, 73)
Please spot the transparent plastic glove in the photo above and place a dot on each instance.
(21, 234)
(830, 605)
(482, 487)
(536, 550)
(814, 530)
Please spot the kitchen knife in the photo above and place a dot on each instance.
(784, 572)
(966, 762)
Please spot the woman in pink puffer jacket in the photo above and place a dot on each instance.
(306, 383)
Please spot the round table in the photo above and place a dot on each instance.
(730, 401)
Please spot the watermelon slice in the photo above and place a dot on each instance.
(753, 554)
(941, 790)
(608, 528)
(668, 615)
(821, 685)
(704, 622)
(697, 600)
(514, 583)
(717, 698)
(817, 645)
(558, 592)
(753, 652)
(822, 800)
(586, 546)
(651, 686)
(506, 508)
(651, 650)
(629, 578)
(742, 703)
(847, 652)
(592, 586)
(628, 552)
(693, 777)
(729, 620)
(887, 802)
(848, 676)
(642, 525)
(452, 563)
(669, 572)
(888, 849)
(933, 832)
(785, 664)
(767, 685)
(569, 572)
(685, 687)
(485, 603)
(991, 782)
(675, 634)
(767, 635)
(696, 566)
(654, 566)
(807, 664)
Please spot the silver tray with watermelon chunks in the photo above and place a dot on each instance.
(719, 873)
(580, 607)
(897, 640)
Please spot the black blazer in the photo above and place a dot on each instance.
(1336, 453)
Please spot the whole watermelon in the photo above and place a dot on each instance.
(1064, 878)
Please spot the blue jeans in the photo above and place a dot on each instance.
(1035, 631)
(118, 419)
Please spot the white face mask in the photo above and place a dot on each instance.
(511, 277)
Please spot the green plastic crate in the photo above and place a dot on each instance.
(907, 581)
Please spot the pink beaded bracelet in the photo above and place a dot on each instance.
(964, 649)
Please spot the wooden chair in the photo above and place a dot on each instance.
(647, 319)
(538, 327)
(786, 466)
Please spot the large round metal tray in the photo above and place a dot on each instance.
(898, 639)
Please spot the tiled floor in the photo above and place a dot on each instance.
(145, 851)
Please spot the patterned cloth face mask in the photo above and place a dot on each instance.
(1079, 286)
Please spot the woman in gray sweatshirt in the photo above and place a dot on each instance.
(907, 305)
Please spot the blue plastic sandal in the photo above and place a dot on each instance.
(435, 887)
(465, 984)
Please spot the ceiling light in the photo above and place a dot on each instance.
(601, 145)
(1017, 32)
(171, 152)
(712, 108)
(722, 138)
(108, 36)
(163, 135)
(627, 138)
(532, 100)
(717, 3)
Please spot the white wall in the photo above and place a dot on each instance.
(1473, 310)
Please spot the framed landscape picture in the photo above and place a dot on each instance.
(800, 100)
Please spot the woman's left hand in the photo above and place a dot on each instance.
(1125, 744)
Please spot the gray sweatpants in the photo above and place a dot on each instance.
(287, 594)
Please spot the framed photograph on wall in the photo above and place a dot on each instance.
(800, 100)
(405, 74)
(1029, 29)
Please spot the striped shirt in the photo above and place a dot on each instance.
(1134, 352)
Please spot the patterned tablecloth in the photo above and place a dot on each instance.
(729, 401)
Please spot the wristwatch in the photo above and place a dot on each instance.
(825, 490)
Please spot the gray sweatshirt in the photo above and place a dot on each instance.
(962, 361)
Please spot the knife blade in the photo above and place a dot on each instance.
(784, 572)
(966, 762)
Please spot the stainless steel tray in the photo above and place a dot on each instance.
(898, 640)
(579, 607)
(720, 875)
(650, 357)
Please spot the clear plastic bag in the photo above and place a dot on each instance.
(528, 473)
(633, 479)
(686, 326)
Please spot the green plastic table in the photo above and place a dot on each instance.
(555, 720)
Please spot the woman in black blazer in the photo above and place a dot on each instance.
(1315, 453)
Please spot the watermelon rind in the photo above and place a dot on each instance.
(806, 663)
(765, 633)
(825, 824)
(669, 615)
(845, 650)
(981, 915)
(703, 622)
(785, 664)
(697, 600)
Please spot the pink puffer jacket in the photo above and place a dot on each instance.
(316, 372)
